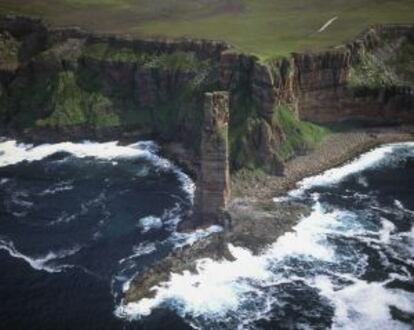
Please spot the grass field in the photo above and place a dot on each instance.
(264, 27)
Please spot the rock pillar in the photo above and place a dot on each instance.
(213, 182)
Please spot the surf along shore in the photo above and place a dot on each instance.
(259, 218)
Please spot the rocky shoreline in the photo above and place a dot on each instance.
(336, 149)
(257, 221)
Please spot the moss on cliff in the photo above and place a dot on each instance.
(9, 49)
(391, 64)
(73, 106)
(371, 72)
(300, 136)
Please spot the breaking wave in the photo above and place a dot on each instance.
(345, 266)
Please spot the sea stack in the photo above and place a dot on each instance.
(213, 182)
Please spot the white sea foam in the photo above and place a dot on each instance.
(365, 305)
(140, 250)
(220, 288)
(56, 188)
(4, 181)
(12, 153)
(336, 175)
(387, 228)
(149, 223)
(363, 181)
(183, 239)
(64, 218)
(214, 290)
(39, 263)
(401, 206)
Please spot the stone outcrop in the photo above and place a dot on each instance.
(213, 181)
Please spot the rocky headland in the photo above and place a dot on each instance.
(246, 129)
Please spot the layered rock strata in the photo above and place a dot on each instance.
(324, 87)
(68, 83)
(213, 181)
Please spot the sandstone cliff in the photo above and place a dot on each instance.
(68, 83)
(359, 79)
(213, 181)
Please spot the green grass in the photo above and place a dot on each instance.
(263, 27)
(301, 136)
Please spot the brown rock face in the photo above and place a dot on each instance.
(213, 182)
(322, 82)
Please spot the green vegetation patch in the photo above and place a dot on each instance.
(300, 136)
(72, 106)
(371, 72)
(9, 50)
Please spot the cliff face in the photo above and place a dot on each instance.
(358, 80)
(87, 84)
(76, 84)
(320, 86)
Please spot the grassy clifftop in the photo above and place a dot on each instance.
(264, 27)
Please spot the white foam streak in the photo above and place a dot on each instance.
(387, 228)
(336, 175)
(215, 288)
(183, 239)
(400, 205)
(61, 186)
(364, 305)
(149, 223)
(13, 152)
(39, 263)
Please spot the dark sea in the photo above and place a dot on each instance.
(79, 220)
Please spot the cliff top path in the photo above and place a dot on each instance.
(266, 28)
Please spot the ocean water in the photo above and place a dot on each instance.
(78, 221)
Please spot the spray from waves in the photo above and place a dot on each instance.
(218, 288)
(244, 290)
(333, 176)
(325, 252)
(39, 263)
(364, 305)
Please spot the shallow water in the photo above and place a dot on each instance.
(79, 220)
